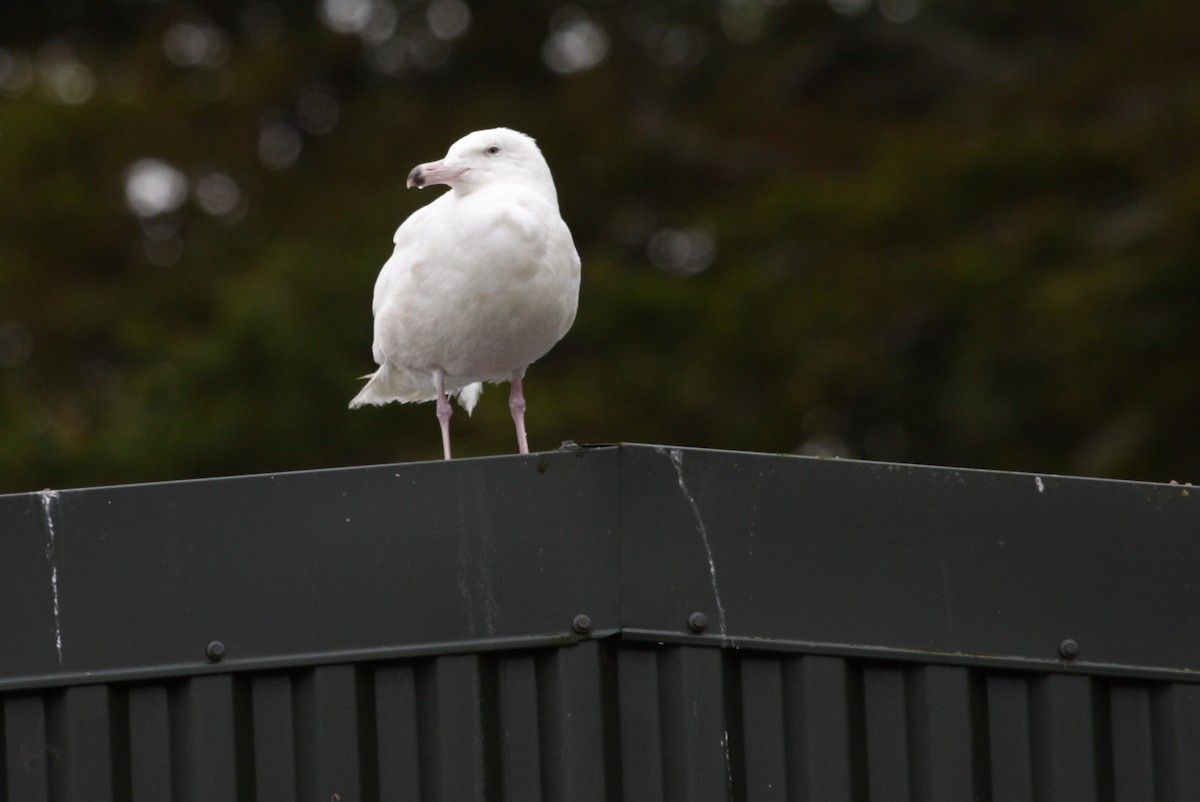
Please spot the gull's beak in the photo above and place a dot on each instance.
(425, 175)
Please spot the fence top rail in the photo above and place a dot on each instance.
(642, 542)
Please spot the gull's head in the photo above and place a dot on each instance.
(483, 157)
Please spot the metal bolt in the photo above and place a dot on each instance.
(697, 622)
(1069, 649)
(582, 624)
(215, 651)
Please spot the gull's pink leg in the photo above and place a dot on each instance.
(516, 403)
(443, 410)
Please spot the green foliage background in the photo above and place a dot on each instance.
(939, 231)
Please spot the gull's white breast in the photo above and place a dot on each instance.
(479, 285)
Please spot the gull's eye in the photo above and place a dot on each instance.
(492, 151)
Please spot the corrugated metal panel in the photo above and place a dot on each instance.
(605, 720)
(757, 627)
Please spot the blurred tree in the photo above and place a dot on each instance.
(918, 230)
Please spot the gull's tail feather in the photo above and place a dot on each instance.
(468, 396)
(390, 384)
(378, 391)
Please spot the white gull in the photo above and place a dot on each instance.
(483, 281)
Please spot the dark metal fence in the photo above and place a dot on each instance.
(631, 622)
